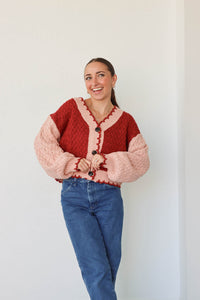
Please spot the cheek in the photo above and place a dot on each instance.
(107, 82)
(87, 85)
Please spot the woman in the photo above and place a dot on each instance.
(92, 146)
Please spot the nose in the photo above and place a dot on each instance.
(94, 80)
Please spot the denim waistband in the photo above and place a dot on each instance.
(80, 180)
(86, 181)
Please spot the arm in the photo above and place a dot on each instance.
(128, 166)
(57, 163)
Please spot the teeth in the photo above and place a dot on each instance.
(97, 89)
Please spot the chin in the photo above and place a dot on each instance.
(99, 97)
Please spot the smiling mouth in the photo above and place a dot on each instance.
(97, 89)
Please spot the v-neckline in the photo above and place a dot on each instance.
(91, 114)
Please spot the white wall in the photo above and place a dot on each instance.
(192, 148)
(44, 47)
(180, 57)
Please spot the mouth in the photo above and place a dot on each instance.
(97, 90)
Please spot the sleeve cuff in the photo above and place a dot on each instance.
(72, 165)
(103, 164)
(76, 164)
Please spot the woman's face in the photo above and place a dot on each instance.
(99, 81)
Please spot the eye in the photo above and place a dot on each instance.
(101, 75)
(87, 78)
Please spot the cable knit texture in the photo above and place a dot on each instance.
(72, 133)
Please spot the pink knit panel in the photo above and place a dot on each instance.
(128, 166)
(57, 163)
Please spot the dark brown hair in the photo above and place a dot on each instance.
(112, 71)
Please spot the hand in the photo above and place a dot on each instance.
(84, 165)
(96, 161)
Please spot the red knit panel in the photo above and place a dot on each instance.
(118, 136)
(73, 129)
(115, 137)
(133, 129)
(62, 115)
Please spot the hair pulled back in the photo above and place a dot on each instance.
(112, 71)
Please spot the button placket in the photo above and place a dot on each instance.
(98, 130)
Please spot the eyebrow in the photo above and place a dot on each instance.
(96, 73)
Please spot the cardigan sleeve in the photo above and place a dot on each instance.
(57, 163)
(127, 166)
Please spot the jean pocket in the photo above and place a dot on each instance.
(66, 187)
(110, 187)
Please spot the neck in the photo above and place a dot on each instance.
(102, 106)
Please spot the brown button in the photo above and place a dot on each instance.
(94, 152)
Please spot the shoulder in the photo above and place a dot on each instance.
(64, 113)
(67, 107)
(132, 127)
(128, 117)
(67, 104)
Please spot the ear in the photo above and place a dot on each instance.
(114, 79)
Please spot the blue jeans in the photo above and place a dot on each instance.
(93, 214)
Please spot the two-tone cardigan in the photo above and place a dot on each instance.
(72, 133)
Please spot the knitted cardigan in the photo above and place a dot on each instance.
(72, 133)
